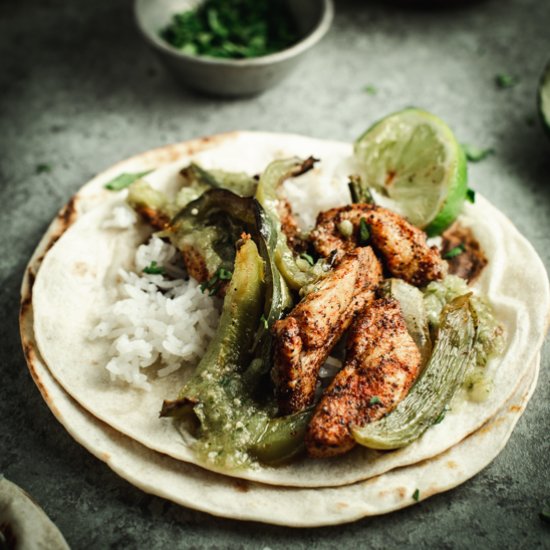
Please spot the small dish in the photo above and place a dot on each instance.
(231, 77)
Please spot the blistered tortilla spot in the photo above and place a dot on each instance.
(67, 215)
(65, 218)
(28, 350)
(342, 505)
(241, 485)
(490, 426)
(80, 268)
(515, 408)
(105, 457)
(401, 492)
(452, 464)
(30, 355)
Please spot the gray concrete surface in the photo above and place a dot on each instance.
(80, 91)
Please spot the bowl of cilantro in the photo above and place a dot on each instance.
(232, 47)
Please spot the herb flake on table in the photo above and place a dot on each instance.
(476, 154)
(239, 29)
(471, 195)
(370, 89)
(504, 81)
(43, 168)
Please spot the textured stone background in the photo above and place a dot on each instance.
(80, 91)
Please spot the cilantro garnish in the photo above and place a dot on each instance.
(456, 251)
(238, 29)
(153, 269)
(264, 321)
(374, 400)
(370, 89)
(224, 274)
(124, 180)
(476, 154)
(213, 284)
(364, 232)
(504, 80)
(43, 168)
(309, 259)
(440, 418)
(416, 495)
(471, 195)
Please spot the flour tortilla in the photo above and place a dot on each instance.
(72, 288)
(219, 495)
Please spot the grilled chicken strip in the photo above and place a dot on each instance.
(289, 226)
(303, 339)
(402, 246)
(382, 362)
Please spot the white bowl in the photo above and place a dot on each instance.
(231, 77)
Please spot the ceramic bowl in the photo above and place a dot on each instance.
(231, 77)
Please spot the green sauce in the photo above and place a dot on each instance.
(490, 339)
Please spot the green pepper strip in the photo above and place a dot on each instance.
(282, 439)
(230, 347)
(452, 355)
(359, 192)
(266, 194)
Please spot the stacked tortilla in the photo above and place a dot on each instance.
(69, 280)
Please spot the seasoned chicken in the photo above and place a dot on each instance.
(303, 339)
(382, 362)
(290, 227)
(402, 246)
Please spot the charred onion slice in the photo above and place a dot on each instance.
(452, 355)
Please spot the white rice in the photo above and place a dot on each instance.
(156, 319)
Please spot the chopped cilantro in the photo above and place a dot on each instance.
(43, 168)
(309, 259)
(153, 269)
(374, 400)
(124, 180)
(440, 418)
(264, 321)
(456, 251)
(476, 154)
(224, 274)
(370, 89)
(504, 81)
(364, 232)
(471, 195)
(213, 284)
(416, 495)
(239, 29)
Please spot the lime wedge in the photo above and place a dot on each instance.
(544, 98)
(413, 157)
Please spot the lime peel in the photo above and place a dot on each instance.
(413, 157)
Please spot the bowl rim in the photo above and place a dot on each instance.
(309, 40)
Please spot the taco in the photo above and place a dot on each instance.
(77, 282)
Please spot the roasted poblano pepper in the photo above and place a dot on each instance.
(296, 273)
(282, 438)
(229, 419)
(158, 208)
(452, 355)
